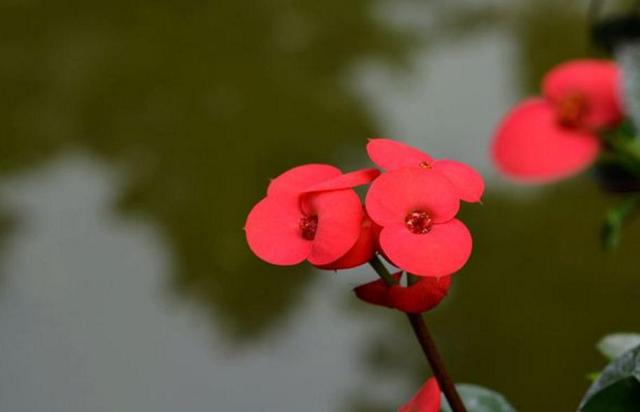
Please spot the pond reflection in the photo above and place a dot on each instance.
(200, 104)
(137, 135)
(89, 324)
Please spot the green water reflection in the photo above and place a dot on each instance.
(201, 103)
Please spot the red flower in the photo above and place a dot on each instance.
(555, 136)
(416, 209)
(310, 212)
(390, 154)
(363, 250)
(420, 297)
(426, 400)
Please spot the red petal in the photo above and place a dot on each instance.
(363, 250)
(390, 154)
(597, 81)
(427, 399)
(467, 180)
(442, 251)
(298, 179)
(420, 297)
(376, 292)
(530, 146)
(339, 221)
(395, 194)
(273, 231)
(346, 181)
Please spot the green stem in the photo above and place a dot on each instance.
(382, 271)
(625, 151)
(617, 217)
(426, 343)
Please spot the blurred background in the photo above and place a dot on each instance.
(135, 136)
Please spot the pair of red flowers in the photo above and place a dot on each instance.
(557, 135)
(312, 213)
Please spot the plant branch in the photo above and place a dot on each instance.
(435, 361)
(426, 343)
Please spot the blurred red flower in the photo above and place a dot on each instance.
(426, 400)
(391, 155)
(416, 208)
(419, 297)
(555, 136)
(311, 213)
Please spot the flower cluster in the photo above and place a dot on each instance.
(557, 135)
(312, 213)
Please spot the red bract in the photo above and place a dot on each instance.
(297, 222)
(316, 178)
(416, 209)
(391, 155)
(426, 400)
(345, 181)
(362, 251)
(420, 297)
(549, 138)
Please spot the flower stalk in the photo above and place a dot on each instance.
(427, 344)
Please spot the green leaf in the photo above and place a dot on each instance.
(623, 367)
(479, 399)
(615, 219)
(614, 345)
(622, 396)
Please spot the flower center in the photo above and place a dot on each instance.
(418, 222)
(425, 165)
(572, 109)
(308, 226)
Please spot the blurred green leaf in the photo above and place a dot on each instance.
(615, 219)
(614, 345)
(622, 396)
(621, 369)
(479, 399)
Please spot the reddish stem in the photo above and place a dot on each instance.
(427, 344)
(435, 361)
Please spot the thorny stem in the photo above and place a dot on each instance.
(426, 343)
